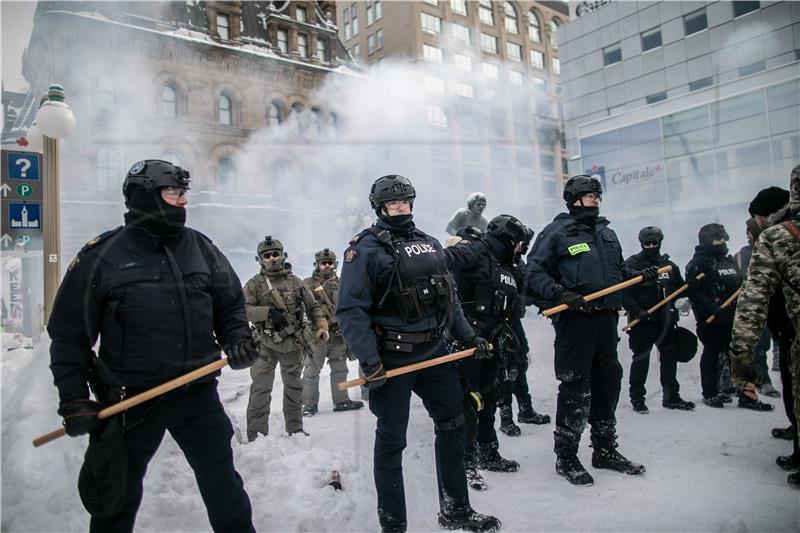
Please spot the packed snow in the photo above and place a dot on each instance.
(708, 470)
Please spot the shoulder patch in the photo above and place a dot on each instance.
(355, 238)
(100, 238)
(349, 255)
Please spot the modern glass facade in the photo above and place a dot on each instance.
(699, 165)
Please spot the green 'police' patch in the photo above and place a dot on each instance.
(575, 249)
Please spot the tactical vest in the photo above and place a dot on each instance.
(724, 277)
(292, 298)
(420, 285)
(486, 302)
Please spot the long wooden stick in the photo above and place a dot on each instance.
(143, 397)
(663, 302)
(725, 304)
(344, 385)
(603, 292)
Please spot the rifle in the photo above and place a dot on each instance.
(329, 305)
(289, 331)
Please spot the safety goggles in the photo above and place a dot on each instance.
(270, 255)
(593, 196)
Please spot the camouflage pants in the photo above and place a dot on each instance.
(794, 369)
(263, 374)
(335, 351)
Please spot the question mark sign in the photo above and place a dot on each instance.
(25, 164)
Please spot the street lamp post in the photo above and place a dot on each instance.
(56, 120)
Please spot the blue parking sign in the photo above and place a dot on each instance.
(23, 166)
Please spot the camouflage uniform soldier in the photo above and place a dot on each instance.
(324, 285)
(277, 302)
(774, 265)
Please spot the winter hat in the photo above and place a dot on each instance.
(768, 201)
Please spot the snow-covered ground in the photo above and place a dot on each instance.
(708, 470)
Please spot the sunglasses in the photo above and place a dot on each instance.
(270, 255)
(326, 263)
(174, 193)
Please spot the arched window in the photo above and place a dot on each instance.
(534, 27)
(106, 169)
(106, 93)
(296, 119)
(316, 121)
(169, 101)
(486, 12)
(554, 24)
(226, 174)
(274, 116)
(225, 110)
(511, 18)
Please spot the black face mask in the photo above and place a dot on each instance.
(719, 250)
(652, 253)
(584, 215)
(152, 213)
(401, 222)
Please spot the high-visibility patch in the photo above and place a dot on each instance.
(575, 249)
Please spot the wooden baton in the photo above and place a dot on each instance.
(725, 304)
(663, 302)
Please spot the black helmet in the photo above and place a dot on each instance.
(508, 229)
(391, 187)
(712, 232)
(268, 244)
(650, 234)
(324, 255)
(153, 174)
(470, 232)
(579, 185)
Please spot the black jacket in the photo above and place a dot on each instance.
(160, 310)
(568, 255)
(722, 278)
(646, 294)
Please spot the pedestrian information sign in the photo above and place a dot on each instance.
(21, 191)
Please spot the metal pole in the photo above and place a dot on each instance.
(51, 226)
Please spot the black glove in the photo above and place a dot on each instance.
(649, 273)
(375, 375)
(574, 301)
(481, 346)
(80, 417)
(643, 315)
(277, 318)
(242, 354)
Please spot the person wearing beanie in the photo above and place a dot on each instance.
(769, 206)
(147, 291)
(774, 270)
(742, 259)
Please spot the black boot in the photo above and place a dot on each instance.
(788, 462)
(678, 403)
(348, 405)
(746, 402)
(475, 480)
(794, 479)
(310, 409)
(570, 467)
(528, 415)
(611, 459)
(714, 401)
(639, 406)
(469, 520)
(491, 460)
(507, 424)
(783, 433)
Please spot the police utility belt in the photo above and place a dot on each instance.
(404, 341)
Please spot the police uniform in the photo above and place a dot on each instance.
(487, 285)
(653, 328)
(722, 278)
(325, 288)
(161, 306)
(280, 292)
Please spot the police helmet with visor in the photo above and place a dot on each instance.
(389, 188)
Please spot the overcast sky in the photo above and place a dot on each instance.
(17, 21)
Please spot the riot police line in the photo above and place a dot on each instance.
(401, 299)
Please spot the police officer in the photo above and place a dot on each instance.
(574, 255)
(324, 285)
(652, 329)
(519, 387)
(487, 285)
(277, 303)
(396, 300)
(160, 296)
